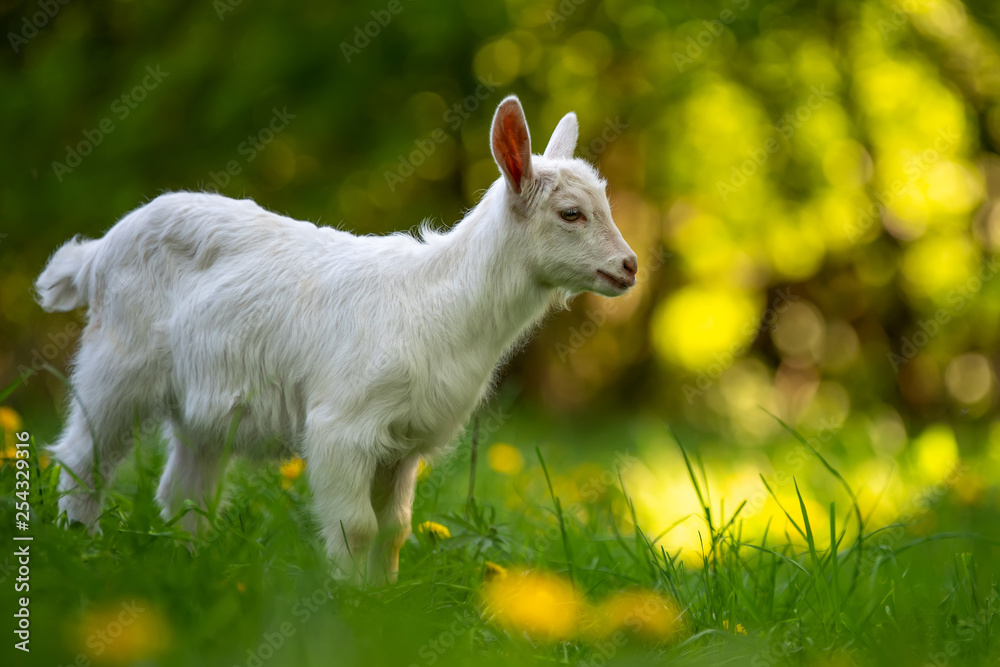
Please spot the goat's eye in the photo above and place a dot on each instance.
(571, 214)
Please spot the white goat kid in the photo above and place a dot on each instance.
(233, 324)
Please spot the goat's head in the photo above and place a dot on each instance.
(562, 204)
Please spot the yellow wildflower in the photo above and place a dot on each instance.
(740, 630)
(129, 632)
(433, 530)
(493, 571)
(646, 614)
(11, 423)
(505, 459)
(10, 419)
(542, 605)
(290, 471)
(423, 468)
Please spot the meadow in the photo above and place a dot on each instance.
(781, 447)
(548, 564)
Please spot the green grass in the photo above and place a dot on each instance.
(903, 595)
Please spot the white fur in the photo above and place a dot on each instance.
(362, 354)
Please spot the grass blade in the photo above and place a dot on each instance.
(697, 487)
(782, 507)
(559, 514)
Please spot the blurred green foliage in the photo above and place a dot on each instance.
(811, 186)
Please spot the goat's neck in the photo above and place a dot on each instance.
(491, 294)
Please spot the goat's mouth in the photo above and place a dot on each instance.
(616, 282)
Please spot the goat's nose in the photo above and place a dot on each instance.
(631, 265)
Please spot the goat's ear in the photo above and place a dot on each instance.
(511, 143)
(562, 144)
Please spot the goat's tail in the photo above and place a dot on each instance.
(63, 285)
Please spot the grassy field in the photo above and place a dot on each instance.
(517, 579)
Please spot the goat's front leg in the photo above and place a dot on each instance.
(341, 478)
(392, 498)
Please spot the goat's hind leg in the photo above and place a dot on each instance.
(191, 473)
(93, 443)
(105, 407)
(75, 451)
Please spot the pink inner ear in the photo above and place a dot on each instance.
(512, 150)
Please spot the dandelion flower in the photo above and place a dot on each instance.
(493, 571)
(434, 530)
(505, 459)
(129, 632)
(423, 468)
(542, 605)
(646, 614)
(11, 423)
(290, 471)
(740, 630)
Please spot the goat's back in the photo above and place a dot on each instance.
(236, 305)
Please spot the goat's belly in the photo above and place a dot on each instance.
(263, 424)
